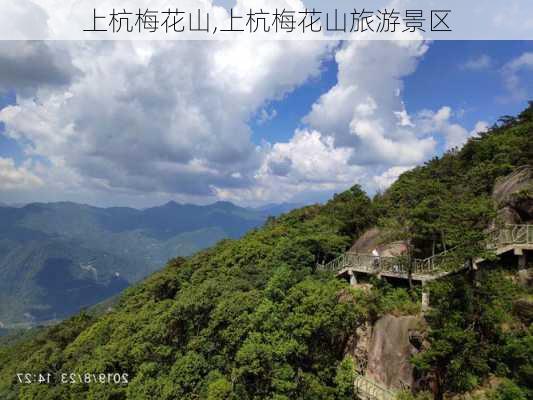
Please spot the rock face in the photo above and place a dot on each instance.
(372, 239)
(513, 195)
(525, 277)
(390, 349)
(524, 309)
(358, 346)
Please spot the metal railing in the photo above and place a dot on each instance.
(365, 262)
(345, 260)
(367, 389)
(378, 264)
(436, 263)
(510, 234)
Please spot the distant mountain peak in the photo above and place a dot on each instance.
(171, 203)
(224, 204)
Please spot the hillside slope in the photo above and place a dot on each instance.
(56, 258)
(253, 319)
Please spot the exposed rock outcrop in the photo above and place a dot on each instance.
(513, 195)
(373, 239)
(383, 350)
(358, 346)
(390, 350)
(525, 277)
(524, 309)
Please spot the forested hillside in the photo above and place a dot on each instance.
(253, 319)
(56, 258)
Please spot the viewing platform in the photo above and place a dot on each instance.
(515, 238)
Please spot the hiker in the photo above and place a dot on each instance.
(375, 254)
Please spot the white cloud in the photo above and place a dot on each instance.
(440, 122)
(139, 123)
(163, 117)
(481, 126)
(388, 177)
(265, 115)
(478, 63)
(404, 118)
(308, 162)
(24, 19)
(26, 66)
(313, 158)
(364, 110)
(512, 78)
(17, 178)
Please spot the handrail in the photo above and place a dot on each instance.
(371, 389)
(433, 264)
(510, 234)
(363, 260)
(376, 264)
(513, 234)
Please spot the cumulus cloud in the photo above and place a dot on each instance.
(24, 19)
(512, 78)
(480, 127)
(359, 130)
(309, 162)
(364, 110)
(13, 177)
(311, 157)
(388, 177)
(25, 66)
(440, 121)
(171, 119)
(161, 117)
(140, 122)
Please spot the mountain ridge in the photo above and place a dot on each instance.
(122, 244)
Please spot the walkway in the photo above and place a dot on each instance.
(512, 237)
(367, 389)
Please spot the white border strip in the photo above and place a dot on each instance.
(100, 19)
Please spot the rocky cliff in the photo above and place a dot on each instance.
(513, 195)
(383, 350)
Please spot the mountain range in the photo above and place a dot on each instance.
(56, 258)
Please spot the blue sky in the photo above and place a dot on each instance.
(440, 79)
(291, 109)
(247, 123)
(8, 146)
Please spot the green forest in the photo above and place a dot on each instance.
(253, 318)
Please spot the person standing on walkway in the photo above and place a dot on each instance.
(375, 254)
